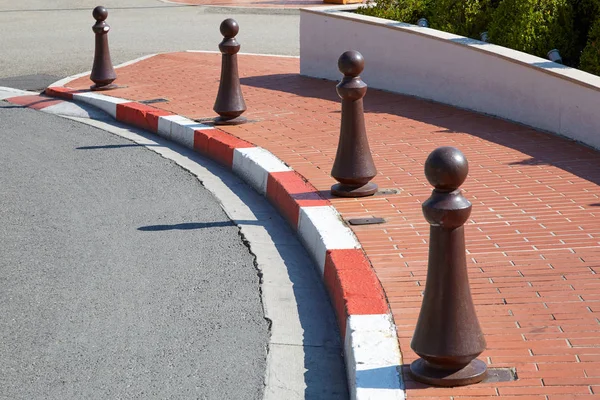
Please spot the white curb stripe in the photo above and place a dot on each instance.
(135, 60)
(6, 93)
(254, 164)
(68, 79)
(105, 103)
(321, 229)
(179, 129)
(66, 108)
(373, 359)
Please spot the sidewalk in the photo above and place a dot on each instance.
(533, 238)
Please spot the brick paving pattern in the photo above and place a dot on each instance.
(532, 241)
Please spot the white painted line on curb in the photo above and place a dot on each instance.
(254, 164)
(64, 81)
(7, 93)
(179, 129)
(67, 108)
(135, 60)
(373, 358)
(321, 229)
(105, 103)
(68, 79)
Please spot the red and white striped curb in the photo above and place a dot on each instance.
(372, 354)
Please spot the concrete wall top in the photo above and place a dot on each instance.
(454, 70)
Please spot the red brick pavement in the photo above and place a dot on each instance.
(533, 238)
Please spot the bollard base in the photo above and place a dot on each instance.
(474, 372)
(341, 190)
(110, 86)
(231, 121)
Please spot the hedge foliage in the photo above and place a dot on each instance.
(462, 17)
(535, 27)
(590, 58)
(531, 26)
(398, 10)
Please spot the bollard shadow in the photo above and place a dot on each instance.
(375, 378)
(110, 146)
(190, 226)
(294, 84)
(316, 338)
(550, 65)
(539, 147)
(36, 103)
(10, 106)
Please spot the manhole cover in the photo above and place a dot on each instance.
(152, 101)
(366, 221)
(501, 375)
(386, 192)
(211, 121)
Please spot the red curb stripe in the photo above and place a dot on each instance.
(288, 191)
(353, 287)
(140, 115)
(218, 145)
(61, 92)
(36, 101)
(201, 137)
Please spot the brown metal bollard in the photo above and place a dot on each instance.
(230, 102)
(353, 167)
(103, 73)
(448, 337)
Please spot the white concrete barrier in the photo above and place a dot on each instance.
(454, 70)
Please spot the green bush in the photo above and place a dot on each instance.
(462, 17)
(398, 10)
(585, 13)
(531, 26)
(535, 27)
(590, 58)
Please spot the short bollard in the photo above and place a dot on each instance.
(353, 167)
(447, 337)
(230, 102)
(103, 73)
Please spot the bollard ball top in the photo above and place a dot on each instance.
(446, 168)
(229, 28)
(351, 63)
(100, 13)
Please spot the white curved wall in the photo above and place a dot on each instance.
(454, 70)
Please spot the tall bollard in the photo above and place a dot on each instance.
(230, 102)
(448, 337)
(353, 167)
(103, 73)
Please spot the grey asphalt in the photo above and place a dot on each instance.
(43, 41)
(120, 275)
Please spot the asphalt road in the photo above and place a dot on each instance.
(43, 41)
(120, 275)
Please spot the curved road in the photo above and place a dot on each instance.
(44, 41)
(120, 275)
